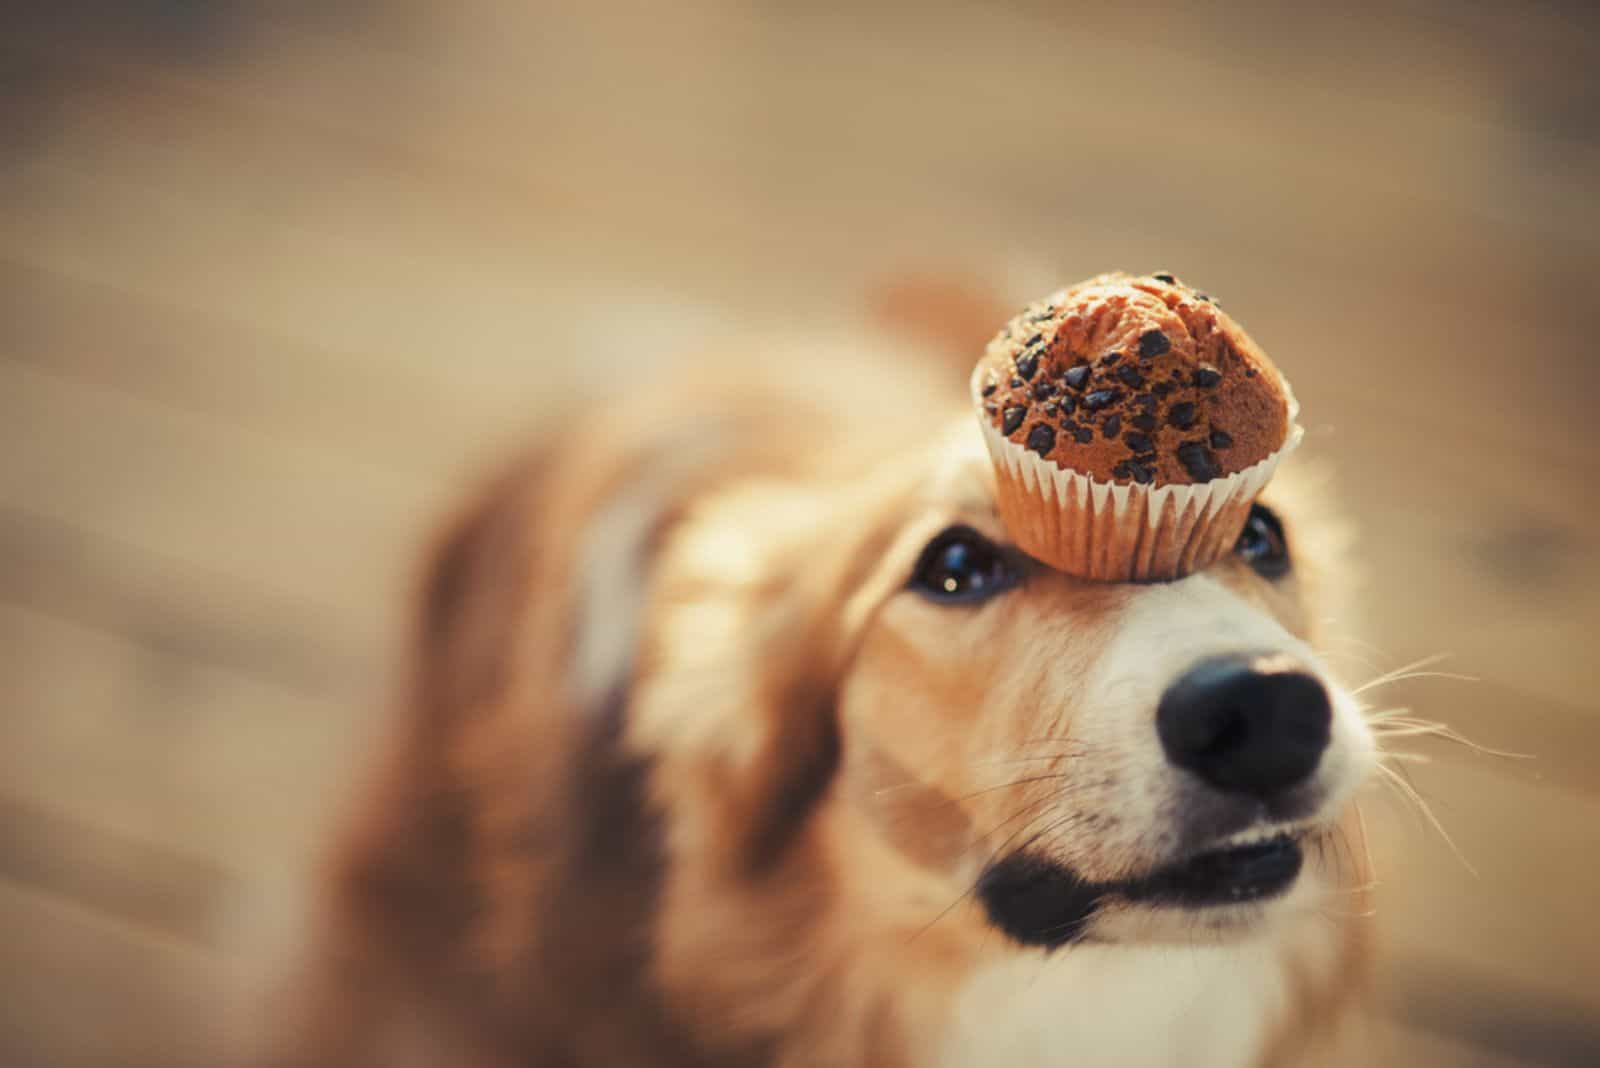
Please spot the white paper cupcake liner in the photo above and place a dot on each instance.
(1116, 533)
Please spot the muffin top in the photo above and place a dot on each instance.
(1128, 379)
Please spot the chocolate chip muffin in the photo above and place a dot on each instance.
(1138, 384)
(1134, 380)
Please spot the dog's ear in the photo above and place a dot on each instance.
(943, 314)
(461, 767)
(506, 852)
(399, 895)
(472, 596)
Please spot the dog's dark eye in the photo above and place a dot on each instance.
(1261, 544)
(962, 565)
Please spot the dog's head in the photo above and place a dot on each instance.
(1082, 757)
(1116, 763)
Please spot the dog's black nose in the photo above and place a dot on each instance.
(1243, 726)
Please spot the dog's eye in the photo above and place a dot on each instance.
(962, 565)
(1261, 544)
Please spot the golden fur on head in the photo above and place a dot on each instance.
(687, 774)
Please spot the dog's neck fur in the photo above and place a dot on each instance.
(1268, 1000)
(1123, 1005)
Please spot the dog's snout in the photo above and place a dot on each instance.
(1245, 724)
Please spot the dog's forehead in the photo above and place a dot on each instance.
(961, 477)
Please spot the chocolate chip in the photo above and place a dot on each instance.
(1015, 383)
(1163, 388)
(1083, 435)
(1050, 409)
(1069, 404)
(1146, 402)
(1181, 415)
(1221, 439)
(1041, 315)
(990, 386)
(1203, 296)
(1206, 377)
(1144, 421)
(1167, 278)
(1198, 461)
(1145, 457)
(1130, 376)
(1140, 473)
(1153, 343)
(1100, 398)
(1042, 438)
(1027, 364)
(1034, 340)
(1249, 372)
(1013, 419)
(1041, 390)
(1110, 359)
(1076, 376)
(1137, 442)
(1112, 426)
(1122, 470)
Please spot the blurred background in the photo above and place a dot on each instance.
(275, 278)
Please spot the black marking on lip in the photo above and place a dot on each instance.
(1039, 902)
(1036, 901)
(1223, 876)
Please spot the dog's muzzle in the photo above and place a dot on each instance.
(1249, 731)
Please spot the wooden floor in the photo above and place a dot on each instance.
(273, 282)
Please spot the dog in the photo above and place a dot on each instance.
(736, 733)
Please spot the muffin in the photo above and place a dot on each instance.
(1131, 423)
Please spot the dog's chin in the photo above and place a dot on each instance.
(1230, 889)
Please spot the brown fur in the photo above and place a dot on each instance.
(741, 849)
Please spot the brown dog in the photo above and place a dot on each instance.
(737, 734)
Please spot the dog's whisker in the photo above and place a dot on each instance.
(1400, 756)
(1031, 810)
(1331, 622)
(1347, 647)
(1366, 841)
(976, 793)
(1060, 821)
(1338, 844)
(1064, 755)
(1351, 891)
(1341, 838)
(925, 928)
(970, 890)
(1399, 723)
(1413, 670)
(1456, 676)
(1420, 662)
(1384, 715)
(1408, 790)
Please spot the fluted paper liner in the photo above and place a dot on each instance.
(1116, 533)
